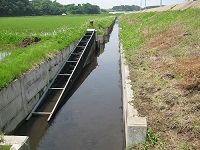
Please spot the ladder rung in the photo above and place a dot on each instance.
(64, 74)
(41, 113)
(56, 88)
(76, 53)
(71, 61)
(80, 46)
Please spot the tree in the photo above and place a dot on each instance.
(14, 7)
(43, 7)
(126, 8)
(91, 9)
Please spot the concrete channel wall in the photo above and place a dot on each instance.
(135, 126)
(19, 97)
(16, 142)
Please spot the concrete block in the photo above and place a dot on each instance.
(136, 130)
(10, 111)
(9, 93)
(17, 142)
(54, 65)
(14, 122)
(100, 39)
(135, 127)
(35, 88)
(54, 62)
(73, 45)
(33, 75)
(19, 97)
(131, 112)
(65, 53)
(32, 102)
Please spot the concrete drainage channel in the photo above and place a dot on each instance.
(135, 127)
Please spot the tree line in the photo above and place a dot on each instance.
(43, 7)
(131, 8)
(126, 8)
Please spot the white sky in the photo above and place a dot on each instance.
(110, 3)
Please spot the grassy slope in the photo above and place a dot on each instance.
(55, 32)
(163, 54)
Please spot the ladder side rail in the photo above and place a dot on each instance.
(45, 92)
(70, 78)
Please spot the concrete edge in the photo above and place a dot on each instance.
(17, 142)
(135, 126)
(101, 39)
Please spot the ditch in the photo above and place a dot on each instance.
(91, 115)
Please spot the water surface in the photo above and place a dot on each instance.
(91, 118)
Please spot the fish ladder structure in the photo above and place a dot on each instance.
(65, 77)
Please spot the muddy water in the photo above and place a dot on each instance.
(91, 117)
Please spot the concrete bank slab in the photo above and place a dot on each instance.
(174, 7)
(19, 97)
(17, 142)
(135, 127)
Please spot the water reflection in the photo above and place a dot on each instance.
(3, 54)
(101, 47)
(90, 118)
(37, 126)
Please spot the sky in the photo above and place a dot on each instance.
(105, 4)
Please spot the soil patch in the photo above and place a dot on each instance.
(29, 40)
(189, 68)
(167, 91)
(166, 40)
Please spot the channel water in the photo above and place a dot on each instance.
(91, 117)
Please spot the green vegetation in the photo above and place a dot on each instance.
(43, 7)
(55, 34)
(151, 140)
(126, 8)
(1, 137)
(162, 50)
(5, 147)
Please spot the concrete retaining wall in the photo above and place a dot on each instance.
(102, 38)
(175, 7)
(135, 127)
(17, 142)
(19, 97)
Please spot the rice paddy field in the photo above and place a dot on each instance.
(27, 41)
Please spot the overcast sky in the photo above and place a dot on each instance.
(110, 3)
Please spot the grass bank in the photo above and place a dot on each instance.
(42, 37)
(163, 53)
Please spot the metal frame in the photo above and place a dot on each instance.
(79, 64)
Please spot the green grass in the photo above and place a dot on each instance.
(155, 23)
(56, 33)
(14, 29)
(5, 147)
(151, 140)
(153, 73)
